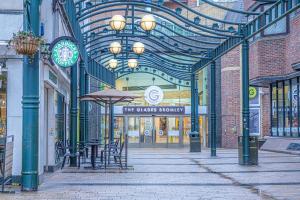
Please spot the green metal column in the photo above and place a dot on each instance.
(74, 112)
(30, 104)
(196, 108)
(86, 106)
(111, 123)
(213, 124)
(245, 100)
(193, 103)
(81, 104)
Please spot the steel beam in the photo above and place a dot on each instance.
(245, 99)
(30, 103)
(213, 124)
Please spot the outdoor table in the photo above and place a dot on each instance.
(94, 148)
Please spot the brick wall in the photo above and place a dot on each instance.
(230, 87)
(293, 44)
(267, 57)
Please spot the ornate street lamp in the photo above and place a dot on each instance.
(132, 63)
(115, 48)
(138, 48)
(117, 23)
(148, 23)
(113, 63)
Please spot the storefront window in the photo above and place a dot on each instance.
(287, 109)
(3, 98)
(280, 109)
(161, 132)
(133, 130)
(294, 95)
(186, 129)
(119, 127)
(173, 129)
(274, 110)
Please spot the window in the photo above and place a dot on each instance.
(274, 120)
(279, 27)
(280, 109)
(295, 100)
(3, 100)
(285, 108)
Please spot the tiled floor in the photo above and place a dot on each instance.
(177, 174)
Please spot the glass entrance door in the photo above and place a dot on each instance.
(146, 131)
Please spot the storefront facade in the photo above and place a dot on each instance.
(285, 108)
(159, 130)
(166, 123)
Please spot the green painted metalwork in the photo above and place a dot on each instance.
(30, 125)
(81, 104)
(95, 69)
(213, 124)
(245, 100)
(73, 115)
(249, 30)
(86, 108)
(194, 103)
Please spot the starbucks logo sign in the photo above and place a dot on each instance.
(154, 95)
(64, 52)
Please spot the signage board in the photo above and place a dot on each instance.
(154, 95)
(64, 51)
(153, 110)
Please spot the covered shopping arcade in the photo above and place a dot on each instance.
(115, 37)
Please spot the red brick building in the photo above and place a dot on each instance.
(274, 61)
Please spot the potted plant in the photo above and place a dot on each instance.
(26, 43)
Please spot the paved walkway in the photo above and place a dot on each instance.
(176, 174)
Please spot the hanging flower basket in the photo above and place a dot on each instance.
(26, 43)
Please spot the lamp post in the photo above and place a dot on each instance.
(148, 23)
(117, 23)
(132, 63)
(138, 48)
(115, 48)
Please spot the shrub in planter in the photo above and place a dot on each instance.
(26, 43)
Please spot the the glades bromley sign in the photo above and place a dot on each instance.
(154, 95)
(153, 110)
(64, 51)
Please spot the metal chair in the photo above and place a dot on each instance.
(118, 155)
(69, 155)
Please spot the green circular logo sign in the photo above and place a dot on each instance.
(65, 53)
(252, 92)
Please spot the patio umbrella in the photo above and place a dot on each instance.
(110, 97)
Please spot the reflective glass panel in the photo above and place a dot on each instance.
(295, 122)
(274, 110)
(161, 133)
(280, 109)
(173, 130)
(287, 109)
(133, 130)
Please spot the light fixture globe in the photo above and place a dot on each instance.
(113, 63)
(148, 23)
(132, 63)
(117, 23)
(115, 48)
(138, 48)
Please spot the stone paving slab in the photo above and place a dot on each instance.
(173, 174)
